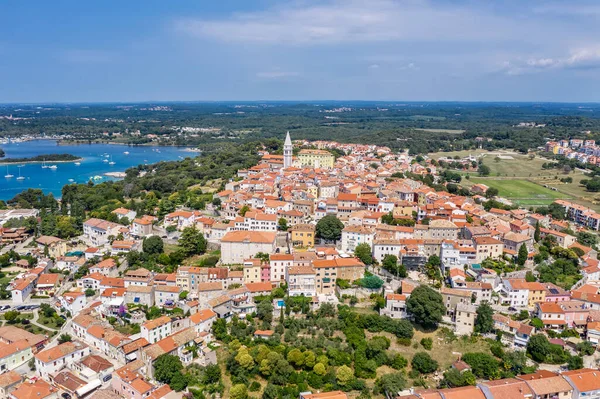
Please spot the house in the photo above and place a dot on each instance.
(464, 318)
(518, 333)
(203, 320)
(9, 382)
(506, 388)
(301, 281)
(166, 295)
(15, 354)
(395, 306)
(90, 281)
(324, 395)
(279, 264)
(47, 283)
(121, 247)
(141, 277)
(106, 267)
(222, 306)
(264, 334)
(252, 270)
(73, 302)
(239, 245)
(585, 383)
(353, 235)
(453, 297)
(21, 288)
(487, 247)
(328, 271)
(546, 384)
(125, 213)
(142, 227)
(52, 246)
(98, 231)
(50, 361)
(38, 389)
(179, 219)
(515, 292)
(157, 329)
(141, 295)
(130, 383)
(303, 235)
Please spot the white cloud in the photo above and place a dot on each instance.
(356, 21)
(87, 56)
(276, 74)
(583, 58)
(374, 66)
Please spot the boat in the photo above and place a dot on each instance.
(44, 166)
(8, 175)
(53, 167)
(77, 163)
(105, 160)
(71, 180)
(126, 153)
(97, 177)
(111, 161)
(20, 177)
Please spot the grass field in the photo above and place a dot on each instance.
(522, 192)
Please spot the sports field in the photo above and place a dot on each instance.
(522, 192)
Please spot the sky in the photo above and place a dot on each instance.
(203, 50)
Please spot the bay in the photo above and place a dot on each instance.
(93, 164)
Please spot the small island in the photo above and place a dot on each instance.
(43, 158)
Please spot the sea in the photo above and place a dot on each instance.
(97, 159)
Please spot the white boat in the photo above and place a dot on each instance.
(53, 167)
(111, 161)
(20, 177)
(97, 177)
(44, 166)
(126, 153)
(105, 160)
(71, 180)
(8, 175)
(77, 163)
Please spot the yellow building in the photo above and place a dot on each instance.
(316, 158)
(303, 235)
(252, 270)
(537, 293)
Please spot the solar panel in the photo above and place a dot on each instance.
(553, 291)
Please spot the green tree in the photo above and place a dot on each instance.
(423, 363)
(484, 322)
(454, 378)
(483, 170)
(523, 254)
(282, 224)
(491, 192)
(89, 292)
(238, 391)
(363, 252)
(166, 366)
(575, 363)
(329, 228)
(391, 383)
(320, 369)
(344, 375)
(153, 245)
(264, 311)
(372, 282)
(426, 306)
(64, 338)
(585, 348)
(11, 316)
(192, 242)
(536, 234)
(183, 295)
(538, 347)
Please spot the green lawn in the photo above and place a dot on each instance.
(522, 192)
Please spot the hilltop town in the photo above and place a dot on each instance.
(324, 271)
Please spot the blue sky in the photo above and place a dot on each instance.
(436, 50)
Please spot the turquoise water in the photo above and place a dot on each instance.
(52, 180)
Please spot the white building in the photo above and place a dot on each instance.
(97, 231)
(383, 247)
(301, 281)
(354, 235)
(157, 329)
(50, 361)
(239, 245)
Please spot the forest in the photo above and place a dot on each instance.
(420, 127)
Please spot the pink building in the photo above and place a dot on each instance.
(556, 294)
(129, 383)
(265, 272)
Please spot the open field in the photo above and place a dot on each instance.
(522, 192)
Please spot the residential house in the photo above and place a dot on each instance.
(239, 245)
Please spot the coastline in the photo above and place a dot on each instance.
(34, 162)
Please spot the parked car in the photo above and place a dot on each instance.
(107, 377)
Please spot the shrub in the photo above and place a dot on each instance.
(427, 343)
